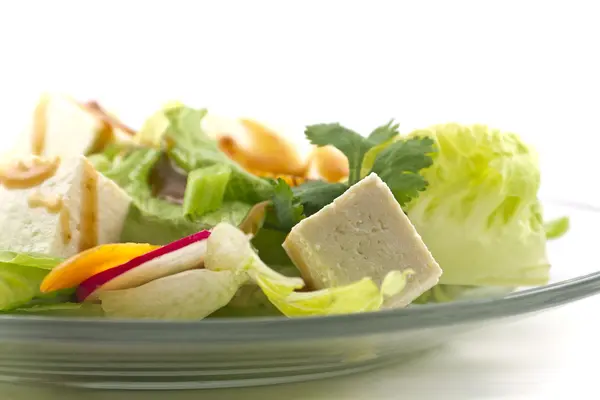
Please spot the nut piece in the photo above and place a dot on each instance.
(267, 151)
(27, 173)
(330, 163)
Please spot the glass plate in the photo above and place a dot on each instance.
(111, 354)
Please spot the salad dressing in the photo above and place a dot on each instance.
(52, 204)
(89, 208)
(65, 225)
(107, 119)
(40, 126)
(25, 174)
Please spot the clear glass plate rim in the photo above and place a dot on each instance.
(275, 328)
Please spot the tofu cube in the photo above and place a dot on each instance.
(363, 233)
(75, 209)
(60, 127)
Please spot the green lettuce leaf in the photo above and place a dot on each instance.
(62, 309)
(155, 220)
(21, 276)
(191, 149)
(205, 190)
(480, 216)
(557, 227)
(29, 260)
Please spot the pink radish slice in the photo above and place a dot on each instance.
(181, 255)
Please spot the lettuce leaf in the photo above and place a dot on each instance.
(205, 190)
(480, 216)
(20, 278)
(66, 309)
(557, 227)
(191, 148)
(155, 220)
(29, 260)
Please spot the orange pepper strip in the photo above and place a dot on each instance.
(71, 272)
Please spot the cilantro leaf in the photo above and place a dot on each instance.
(287, 213)
(384, 133)
(399, 164)
(314, 195)
(352, 144)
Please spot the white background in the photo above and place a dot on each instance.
(527, 66)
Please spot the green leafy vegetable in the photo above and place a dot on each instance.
(154, 128)
(371, 156)
(155, 220)
(288, 214)
(29, 260)
(205, 190)
(384, 133)
(557, 227)
(21, 276)
(62, 309)
(480, 216)
(314, 195)
(191, 148)
(352, 144)
(399, 165)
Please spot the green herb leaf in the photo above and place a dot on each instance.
(314, 195)
(287, 213)
(352, 144)
(384, 133)
(399, 164)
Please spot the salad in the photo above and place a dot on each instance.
(178, 220)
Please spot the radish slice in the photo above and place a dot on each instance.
(191, 294)
(181, 255)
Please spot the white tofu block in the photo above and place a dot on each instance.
(363, 233)
(74, 209)
(60, 127)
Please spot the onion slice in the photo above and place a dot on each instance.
(181, 255)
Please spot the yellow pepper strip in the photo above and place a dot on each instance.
(84, 265)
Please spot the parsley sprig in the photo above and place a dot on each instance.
(397, 161)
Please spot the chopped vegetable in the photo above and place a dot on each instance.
(191, 148)
(205, 190)
(557, 227)
(181, 255)
(480, 216)
(71, 272)
(193, 294)
(397, 161)
(20, 278)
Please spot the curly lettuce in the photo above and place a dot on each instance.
(480, 216)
